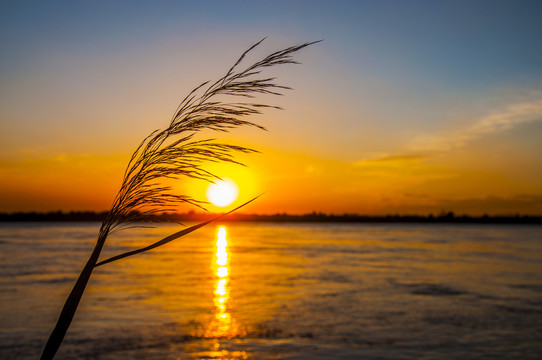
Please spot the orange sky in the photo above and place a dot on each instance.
(386, 117)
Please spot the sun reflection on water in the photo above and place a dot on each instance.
(222, 325)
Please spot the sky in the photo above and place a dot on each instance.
(409, 107)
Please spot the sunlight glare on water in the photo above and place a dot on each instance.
(222, 325)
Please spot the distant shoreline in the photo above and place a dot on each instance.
(314, 217)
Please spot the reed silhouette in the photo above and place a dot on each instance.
(173, 153)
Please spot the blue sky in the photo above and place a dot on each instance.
(474, 41)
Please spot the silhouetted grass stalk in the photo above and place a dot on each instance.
(172, 153)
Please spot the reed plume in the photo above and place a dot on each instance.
(174, 153)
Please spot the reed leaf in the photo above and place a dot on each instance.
(174, 153)
(171, 237)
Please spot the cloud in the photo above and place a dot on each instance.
(505, 119)
(425, 146)
(388, 160)
(399, 157)
(495, 205)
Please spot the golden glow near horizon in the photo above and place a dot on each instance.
(222, 325)
(222, 192)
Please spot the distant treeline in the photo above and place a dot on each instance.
(54, 216)
(443, 217)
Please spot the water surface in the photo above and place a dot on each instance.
(278, 291)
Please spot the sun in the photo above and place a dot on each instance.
(222, 192)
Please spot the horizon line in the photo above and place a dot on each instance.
(443, 216)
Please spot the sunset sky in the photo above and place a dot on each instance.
(405, 107)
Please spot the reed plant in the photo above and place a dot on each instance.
(175, 153)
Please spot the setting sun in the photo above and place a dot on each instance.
(222, 193)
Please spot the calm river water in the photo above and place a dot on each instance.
(278, 291)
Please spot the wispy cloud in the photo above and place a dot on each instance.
(399, 157)
(505, 119)
(494, 205)
(425, 146)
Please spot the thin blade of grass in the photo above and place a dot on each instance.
(170, 237)
(70, 306)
